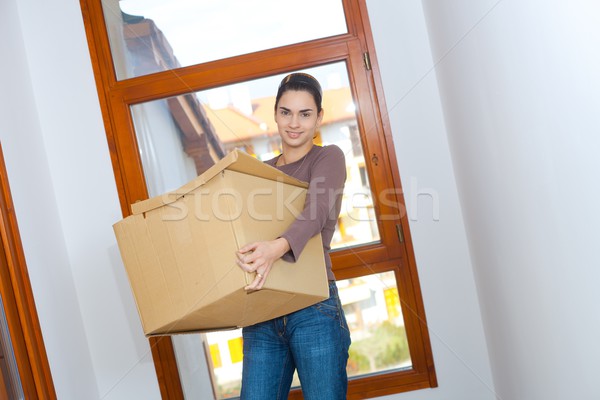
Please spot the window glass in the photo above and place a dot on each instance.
(374, 316)
(10, 382)
(226, 365)
(148, 36)
(180, 137)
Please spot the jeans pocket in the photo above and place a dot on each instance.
(328, 309)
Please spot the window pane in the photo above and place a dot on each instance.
(182, 136)
(226, 364)
(372, 307)
(190, 353)
(10, 382)
(148, 36)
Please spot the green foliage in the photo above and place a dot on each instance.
(386, 347)
(395, 345)
(357, 362)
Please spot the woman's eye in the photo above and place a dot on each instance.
(306, 115)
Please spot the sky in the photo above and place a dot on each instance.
(198, 32)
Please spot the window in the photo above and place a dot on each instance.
(168, 120)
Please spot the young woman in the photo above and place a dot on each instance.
(315, 340)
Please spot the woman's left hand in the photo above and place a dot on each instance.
(259, 257)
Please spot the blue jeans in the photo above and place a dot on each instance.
(314, 340)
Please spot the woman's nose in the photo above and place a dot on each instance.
(294, 121)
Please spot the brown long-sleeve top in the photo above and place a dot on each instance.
(324, 168)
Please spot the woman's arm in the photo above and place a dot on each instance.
(325, 190)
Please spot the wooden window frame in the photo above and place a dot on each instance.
(394, 251)
(19, 305)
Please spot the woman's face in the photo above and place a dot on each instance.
(297, 119)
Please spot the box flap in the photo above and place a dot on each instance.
(236, 161)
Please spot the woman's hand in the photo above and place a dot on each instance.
(259, 257)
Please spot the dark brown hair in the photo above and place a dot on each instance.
(300, 81)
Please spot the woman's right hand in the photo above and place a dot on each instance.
(259, 257)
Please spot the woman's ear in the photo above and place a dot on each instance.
(320, 117)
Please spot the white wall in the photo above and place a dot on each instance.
(61, 161)
(521, 95)
(39, 223)
(441, 250)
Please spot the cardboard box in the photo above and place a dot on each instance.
(179, 250)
